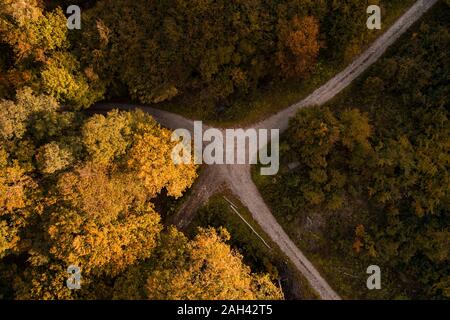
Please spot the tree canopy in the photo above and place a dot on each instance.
(379, 173)
(79, 190)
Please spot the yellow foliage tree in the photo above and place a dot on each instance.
(205, 268)
(98, 223)
(151, 157)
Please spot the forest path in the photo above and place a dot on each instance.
(238, 177)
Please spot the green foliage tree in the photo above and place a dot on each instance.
(325, 146)
(383, 184)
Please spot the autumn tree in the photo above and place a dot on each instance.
(79, 191)
(298, 46)
(36, 41)
(107, 138)
(202, 268)
(17, 186)
(94, 224)
(151, 158)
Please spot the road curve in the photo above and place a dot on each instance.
(238, 177)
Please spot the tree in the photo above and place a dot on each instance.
(73, 191)
(150, 157)
(15, 116)
(51, 158)
(107, 138)
(312, 134)
(30, 31)
(44, 283)
(205, 268)
(210, 50)
(298, 46)
(384, 182)
(355, 129)
(330, 149)
(97, 223)
(36, 42)
(63, 78)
